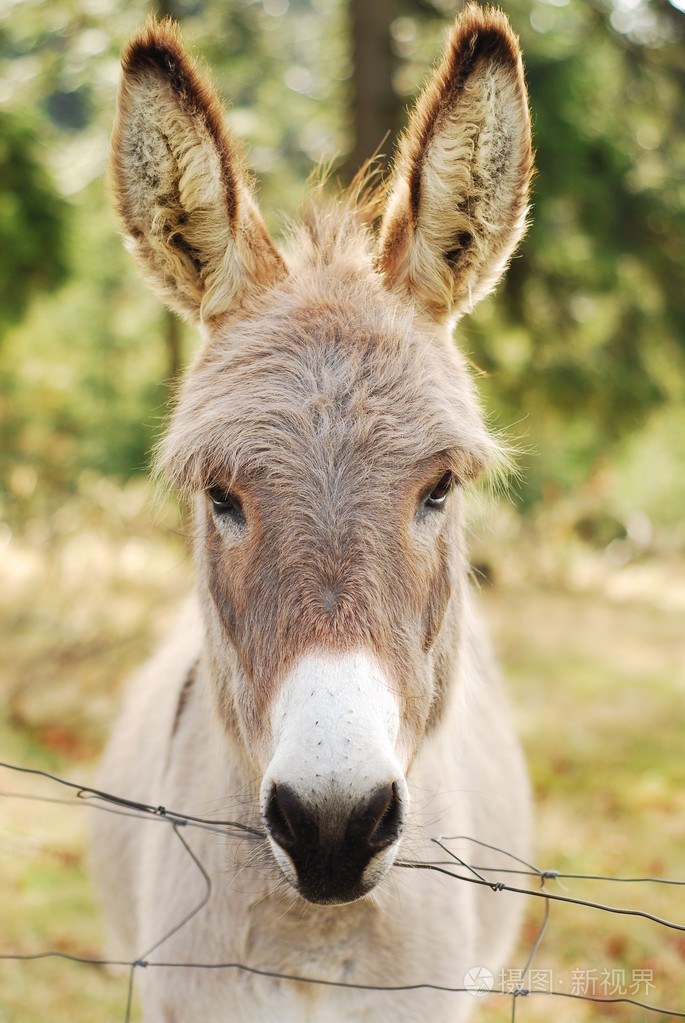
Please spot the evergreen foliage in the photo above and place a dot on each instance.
(33, 220)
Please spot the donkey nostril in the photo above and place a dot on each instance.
(389, 817)
(331, 842)
(282, 816)
(277, 822)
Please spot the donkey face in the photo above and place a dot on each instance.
(326, 427)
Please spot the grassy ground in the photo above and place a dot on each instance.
(595, 658)
(599, 691)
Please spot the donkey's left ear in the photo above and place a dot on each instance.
(180, 187)
(458, 198)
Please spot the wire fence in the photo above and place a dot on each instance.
(518, 984)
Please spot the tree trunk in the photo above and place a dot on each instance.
(374, 105)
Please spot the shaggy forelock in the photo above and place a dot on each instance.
(327, 366)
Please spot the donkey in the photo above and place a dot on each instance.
(329, 686)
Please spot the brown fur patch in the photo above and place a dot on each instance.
(183, 697)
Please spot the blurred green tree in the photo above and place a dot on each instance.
(33, 222)
(589, 333)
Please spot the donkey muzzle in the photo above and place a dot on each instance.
(337, 856)
(334, 799)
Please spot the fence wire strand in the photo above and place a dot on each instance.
(475, 874)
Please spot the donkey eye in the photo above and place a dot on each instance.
(438, 495)
(226, 505)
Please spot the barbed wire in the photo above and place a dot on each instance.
(474, 874)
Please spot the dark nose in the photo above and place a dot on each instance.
(329, 846)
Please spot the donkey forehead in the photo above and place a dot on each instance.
(315, 381)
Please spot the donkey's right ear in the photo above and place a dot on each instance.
(180, 187)
(458, 198)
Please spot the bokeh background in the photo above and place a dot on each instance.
(580, 357)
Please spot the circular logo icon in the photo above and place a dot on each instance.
(479, 980)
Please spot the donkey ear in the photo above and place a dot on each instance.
(180, 187)
(457, 203)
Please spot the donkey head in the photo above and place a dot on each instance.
(327, 427)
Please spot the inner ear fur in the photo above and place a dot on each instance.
(458, 197)
(179, 184)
